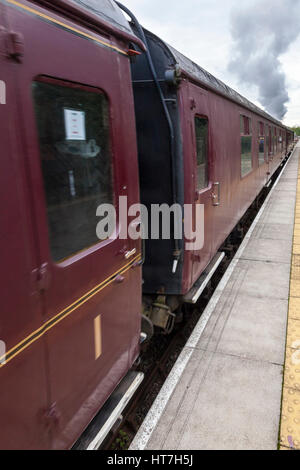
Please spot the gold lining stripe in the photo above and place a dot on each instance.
(97, 336)
(60, 23)
(37, 334)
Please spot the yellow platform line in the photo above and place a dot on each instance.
(290, 415)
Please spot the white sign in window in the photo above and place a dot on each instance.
(75, 124)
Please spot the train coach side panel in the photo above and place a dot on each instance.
(236, 192)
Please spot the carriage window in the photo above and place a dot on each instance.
(261, 143)
(271, 140)
(275, 140)
(261, 150)
(242, 124)
(246, 146)
(267, 147)
(201, 126)
(74, 138)
(280, 141)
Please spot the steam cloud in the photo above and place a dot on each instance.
(262, 31)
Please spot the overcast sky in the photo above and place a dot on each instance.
(201, 29)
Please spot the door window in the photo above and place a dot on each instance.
(246, 146)
(261, 143)
(201, 126)
(74, 138)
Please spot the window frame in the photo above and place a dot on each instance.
(208, 169)
(269, 146)
(89, 250)
(272, 129)
(275, 141)
(261, 134)
(280, 140)
(247, 132)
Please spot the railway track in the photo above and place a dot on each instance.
(157, 361)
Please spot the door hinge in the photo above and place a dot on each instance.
(15, 45)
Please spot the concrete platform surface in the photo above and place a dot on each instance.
(290, 417)
(225, 390)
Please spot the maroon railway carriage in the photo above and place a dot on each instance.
(199, 142)
(71, 304)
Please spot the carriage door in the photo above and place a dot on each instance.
(76, 145)
(23, 392)
(203, 183)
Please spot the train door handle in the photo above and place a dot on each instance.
(119, 279)
(126, 253)
(216, 194)
(130, 254)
